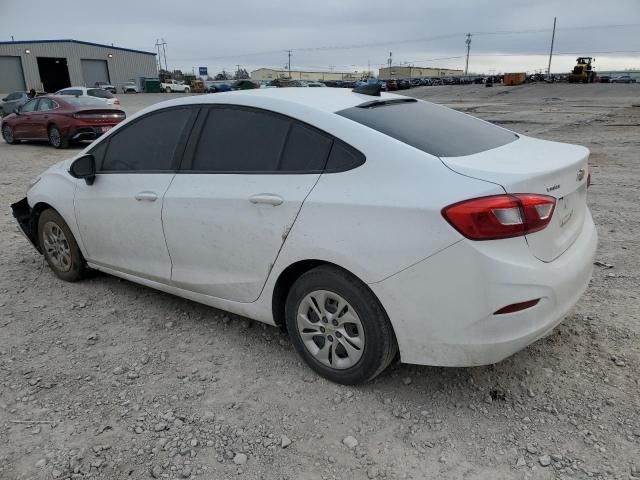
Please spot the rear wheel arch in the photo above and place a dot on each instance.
(288, 277)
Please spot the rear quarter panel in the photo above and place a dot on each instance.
(383, 216)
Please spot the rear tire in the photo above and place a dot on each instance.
(186, 90)
(8, 135)
(56, 139)
(168, 89)
(338, 326)
(59, 247)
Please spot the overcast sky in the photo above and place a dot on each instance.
(344, 35)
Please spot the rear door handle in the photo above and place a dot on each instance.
(146, 196)
(266, 198)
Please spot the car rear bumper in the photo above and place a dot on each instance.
(442, 308)
(87, 132)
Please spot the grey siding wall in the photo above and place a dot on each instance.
(122, 66)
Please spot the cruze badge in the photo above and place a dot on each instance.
(580, 174)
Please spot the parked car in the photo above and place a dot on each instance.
(219, 87)
(12, 101)
(404, 84)
(436, 81)
(316, 84)
(268, 84)
(416, 82)
(130, 87)
(60, 120)
(469, 205)
(244, 85)
(103, 95)
(171, 86)
(106, 86)
(392, 85)
(623, 79)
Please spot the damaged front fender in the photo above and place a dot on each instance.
(23, 214)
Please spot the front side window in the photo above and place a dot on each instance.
(30, 106)
(148, 144)
(238, 140)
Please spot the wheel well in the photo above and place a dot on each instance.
(36, 211)
(284, 283)
(286, 280)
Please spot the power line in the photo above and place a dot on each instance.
(420, 40)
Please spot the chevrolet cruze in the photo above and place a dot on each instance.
(370, 225)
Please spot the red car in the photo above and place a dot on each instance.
(60, 120)
(391, 85)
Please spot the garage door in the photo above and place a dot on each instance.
(11, 76)
(94, 71)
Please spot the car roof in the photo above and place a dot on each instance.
(323, 99)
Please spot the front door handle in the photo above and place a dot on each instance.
(146, 196)
(266, 198)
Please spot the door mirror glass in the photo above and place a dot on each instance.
(5, 99)
(84, 167)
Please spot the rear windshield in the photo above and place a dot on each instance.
(85, 101)
(100, 93)
(431, 128)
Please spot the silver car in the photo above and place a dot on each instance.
(11, 102)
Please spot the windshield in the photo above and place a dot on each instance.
(100, 93)
(432, 128)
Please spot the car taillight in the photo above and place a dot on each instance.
(589, 179)
(500, 216)
(100, 116)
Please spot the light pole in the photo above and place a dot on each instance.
(468, 42)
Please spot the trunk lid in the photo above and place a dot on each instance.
(529, 165)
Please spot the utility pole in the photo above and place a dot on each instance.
(390, 60)
(553, 37)
(159, 56)
(289, 62)
(468, 42)
(164, 51)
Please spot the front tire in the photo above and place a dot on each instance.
(56, 139)
(168, 89)
(8, 135)
(59, 247)
(186, 90)
(338, 326)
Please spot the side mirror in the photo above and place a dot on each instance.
(84, 167)
(5, 99)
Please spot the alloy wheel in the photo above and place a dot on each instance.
(56, 246)
(330, 329)
(7, 133)
(54, 137)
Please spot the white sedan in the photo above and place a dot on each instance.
(105, 95)
(369, 226)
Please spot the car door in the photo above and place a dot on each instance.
(24, 126)
(119, 215)
(40, 117)
(229, 209)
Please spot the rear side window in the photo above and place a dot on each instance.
(343, 158)
(99, 93)
(238, 140)
(148, 145)
(431, 128)
(46, 104)
(306, 150)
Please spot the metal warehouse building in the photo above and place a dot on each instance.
(49, 65)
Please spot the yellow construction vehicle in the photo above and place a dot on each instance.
(583, 72)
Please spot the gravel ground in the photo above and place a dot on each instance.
(108, 379)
